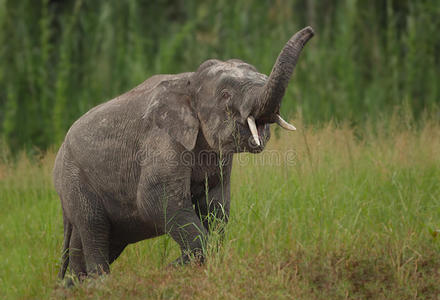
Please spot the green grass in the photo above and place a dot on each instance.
(346, 214)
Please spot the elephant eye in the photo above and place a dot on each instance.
(225, 94)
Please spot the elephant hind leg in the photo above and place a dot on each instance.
(65, 254)
(95, 240)
(76, 256)
(91, 232)
(86, 255)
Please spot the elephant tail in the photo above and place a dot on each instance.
(65, 256)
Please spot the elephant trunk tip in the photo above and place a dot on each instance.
(309, 30)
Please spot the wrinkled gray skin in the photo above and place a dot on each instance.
(158, 158)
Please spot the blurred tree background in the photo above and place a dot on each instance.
(58, 58)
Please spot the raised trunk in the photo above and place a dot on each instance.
(282, 70)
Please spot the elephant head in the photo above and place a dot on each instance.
(232, 104)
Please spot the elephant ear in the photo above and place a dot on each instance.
(172, 112)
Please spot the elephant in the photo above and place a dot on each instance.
(157, 159)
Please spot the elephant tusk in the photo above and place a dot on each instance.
(253, 128)
(280, 121)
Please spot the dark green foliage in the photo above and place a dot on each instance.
(60, 58)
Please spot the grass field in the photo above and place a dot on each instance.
(325, 213)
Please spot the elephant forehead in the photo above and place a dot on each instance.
(238, 72)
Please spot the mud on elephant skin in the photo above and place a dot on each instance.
(111, 199)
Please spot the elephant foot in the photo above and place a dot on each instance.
(181, 261)
(198, 258)
(69, 283)
(71, 280)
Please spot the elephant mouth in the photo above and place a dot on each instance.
(244, 140)
(258, 134)
(261, 130)
(258, 130)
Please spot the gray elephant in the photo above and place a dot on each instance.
(157, 159)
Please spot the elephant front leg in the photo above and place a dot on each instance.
(185, 227)
(165, 200)
(212, 206)
(213, 212)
